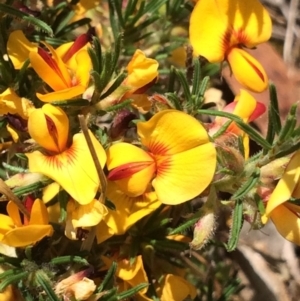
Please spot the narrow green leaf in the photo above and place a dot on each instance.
(289, 126)
(14, 169)
(10, 10)
(275, 115)
(97, 80)
(184, 84)
(174, 100)
(77, 102)
(222, 129)
(246, 187)
(153, 6)
(270, 132)
(118, 81)
(74, 25)
(237, 222)
(131, 6)
(62, 20)
(287, 151)
(131, 292)
(41, 278)
(196, 82)
(109, 278)
(253, 134)
(69, 259)
(12, 279)
(124, 104)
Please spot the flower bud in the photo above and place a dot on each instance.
(204, 228)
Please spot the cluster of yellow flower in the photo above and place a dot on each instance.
(173, 159)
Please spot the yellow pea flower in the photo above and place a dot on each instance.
(219, 29)
(180, 164)
(244, 106)
(66, 71)
(129, 275)
(11, 103)
(70, 165)
(286, 215)
(16, 234)
(83, 216)
(18, 48)
(128, 210)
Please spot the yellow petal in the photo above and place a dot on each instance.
(49, 127)
(50, 191)
(103, 232)
(7, 223)
(177, 289)
(84, 66)
(64, 94)
(164, 134)
(87, 215)
(74, 169)
(14, 134)
(141, 102)
(287, 223)
(13, 211)
(208, 24)
(122, 162)
(247, 70)
(141, 70)
(39, 213)
(128, 210)
(27, 235)
(51, 70)
(11, 103)
(183, 176)
(18, 48)
(245, 106)
(285, 187)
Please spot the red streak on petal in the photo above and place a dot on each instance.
(233, 38)
(157, 148)
(127, 170)
(258, 72)
(52, 130)
(52, 64)
(80, 42)
(163, 165)
(28, 203)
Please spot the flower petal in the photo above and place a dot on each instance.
(39, 213)
(49, 127)
(176, 288)
(208, 24)
(11, 103)
(7, 223)
(285, 187)
(27, 235)
(83, 68)
(141, 71)
(128, 210)
(287, 223)
(14, 213)
(18, 48)
(134, 181)
(86, 215)
(51, 70)
(164, 133)
(74, 169)
(183, 176)
(65, 94)
(247, 70)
